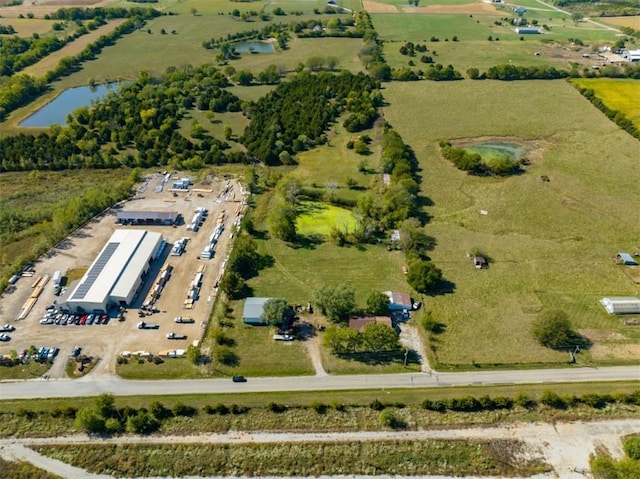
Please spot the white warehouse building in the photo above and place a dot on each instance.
(117, 274)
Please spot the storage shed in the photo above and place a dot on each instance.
(626, 259)
(253, 309)
(398, 301)
(621, 305)
(528, 31)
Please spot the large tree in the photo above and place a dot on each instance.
(380, 338)
(423, 276)
(336, 303)
(378, 303)
(282, 222)
(552, 329)
(277, 311)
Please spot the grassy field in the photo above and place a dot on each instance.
(22, 469)
(293, 459)
(26, 27)
(550, 244)
(30, 370)
(617, 94)
(317, 219)
(32, 192)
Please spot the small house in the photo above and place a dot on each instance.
(621, 305)
(398, 301)
(480, 262)
(253, 309)
(360, 323)
(626, 259)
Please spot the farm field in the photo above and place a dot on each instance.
(631, 22)
(26, 27)
(617, 94)
(538, 235)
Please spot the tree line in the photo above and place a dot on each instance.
(615, 116)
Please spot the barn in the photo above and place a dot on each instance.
(165, 218)
(621, 305)
(117, 274)
(253, 309)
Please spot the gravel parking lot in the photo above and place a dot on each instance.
(81, 248)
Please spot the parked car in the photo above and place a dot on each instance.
(239, 379)
(75, 352)
(47, 321)
(181, 320)
(143, 325)
(5, 337)
(176, 336)
(7, 328)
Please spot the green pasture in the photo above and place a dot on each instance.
(618, 94)
(26, 27)
(546, 241)
(420, 28)
(317, 219)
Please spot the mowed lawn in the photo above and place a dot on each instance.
(318, 219)
(618, 94)
(550, 244)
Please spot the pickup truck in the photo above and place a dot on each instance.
(143, 325)
(181, 320)
(176, 336)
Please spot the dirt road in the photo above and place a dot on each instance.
(564, 446)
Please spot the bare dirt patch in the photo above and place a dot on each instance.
(615, 351)
(468, 8)
(376, 7)
(51, 61)
(602, 335)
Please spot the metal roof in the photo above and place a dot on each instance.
(253, 307)
(121, 258)
(621, 305)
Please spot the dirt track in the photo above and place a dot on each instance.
(564, 446)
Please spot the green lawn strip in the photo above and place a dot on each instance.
(573, 217)
(24, 371)
(23, 470)
(363, 364)
(315, 218)
(170, 368)
(292, 459)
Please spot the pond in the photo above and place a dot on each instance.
(56, 111)
(254, 47)
(495, 149)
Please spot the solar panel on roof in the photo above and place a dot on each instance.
(95, 270)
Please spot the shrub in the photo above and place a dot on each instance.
(276, 407)
(523, 400)
(551, 399)
(631, 447)
(437, 406)
(376, 405)
(319, 407)
(159, 411)
(596, 401)
(388, 419)
(237, 409)
(90, 422)
(181, 409)
(142, 423)
(113, 426)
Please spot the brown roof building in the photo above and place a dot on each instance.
(361, 322)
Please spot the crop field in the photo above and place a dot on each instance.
(617, 94)
(632, 22)
(547, 241)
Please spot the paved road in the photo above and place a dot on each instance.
(59, 388)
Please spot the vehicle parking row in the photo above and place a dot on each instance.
(64, 319)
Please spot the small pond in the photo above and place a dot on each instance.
(56, 111)
(494, 149)
(254, 47)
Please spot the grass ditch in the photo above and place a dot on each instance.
(292, 459)
(340, 411)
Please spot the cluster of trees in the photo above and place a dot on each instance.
(336, 303)
(244, 263)
(603, 466)
(375, 338)
(474, 164)
(553, 329)
(438, 72)
(7, 30)
(111, 13)
(616, 116)
(296, 114)
(19, 90)
(509, 72)
(411, 48)
(143, 115)
(274, 30)
(371, 54)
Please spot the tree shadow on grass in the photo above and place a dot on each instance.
(443, 287)
(383, 358)
(309, 242)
